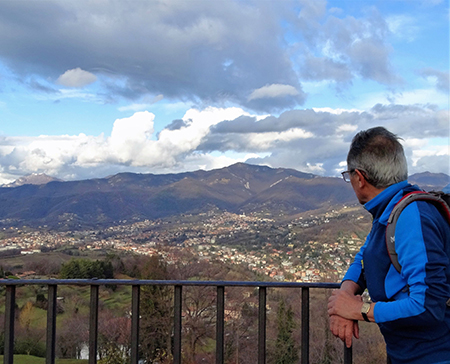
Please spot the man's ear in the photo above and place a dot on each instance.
(361, 179)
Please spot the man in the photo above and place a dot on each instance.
(409, 307)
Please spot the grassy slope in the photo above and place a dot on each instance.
(29, 359)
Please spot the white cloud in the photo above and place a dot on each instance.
(76, 78)
(334, 111)
(342, 166)
(412, 97)
(315, 168)
(206, 162)
(273, 91)
(346, 128)
(306, 140)
(432, 155)
(130, 135)
(440, 79)
(403, 27)
(131, 145)
(172, 144)
(266, 141)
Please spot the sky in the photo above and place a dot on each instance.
(92, 88)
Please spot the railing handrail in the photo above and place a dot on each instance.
(136, 284)
(143, 282)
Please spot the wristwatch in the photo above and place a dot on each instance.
(365, 310)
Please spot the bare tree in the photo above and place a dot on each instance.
(114, 341)
(72, 336)
(199, 319)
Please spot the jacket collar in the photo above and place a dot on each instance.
(381, 205)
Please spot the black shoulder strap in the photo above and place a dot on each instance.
(433, 197)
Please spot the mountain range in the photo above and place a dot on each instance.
(32, 179)
(240, 188)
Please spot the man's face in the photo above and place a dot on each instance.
(357, 181)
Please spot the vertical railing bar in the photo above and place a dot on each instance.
(220, 324)
(51, 324)
(305, 326)
(177, 325)
(135, 312)
(93, 325)
(262, 326)
(348, 355)
(8, 356)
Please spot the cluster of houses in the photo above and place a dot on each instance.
(310, 261)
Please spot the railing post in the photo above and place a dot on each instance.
(51, 324)
(348, 355)
(177, 325)
(136, 294)
(262, 326)
(10, 303)
(220, 324)
(305, 325)
(93, 325)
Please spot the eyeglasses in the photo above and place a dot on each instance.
(346, 175)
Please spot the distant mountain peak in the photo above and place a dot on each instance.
(429, 181)
(32, 179)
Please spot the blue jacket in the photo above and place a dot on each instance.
(410, 308)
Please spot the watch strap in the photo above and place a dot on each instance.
(365, 310)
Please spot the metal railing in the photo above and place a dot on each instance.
(136, 285)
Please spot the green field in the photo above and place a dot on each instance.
(73, 304)
(20, 263)
(29, 359)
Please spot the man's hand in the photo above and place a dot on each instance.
(344, 329)
(345, 304)
(341, 305)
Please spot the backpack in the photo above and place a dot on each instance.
(440, 199)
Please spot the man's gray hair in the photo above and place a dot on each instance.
(379, 155)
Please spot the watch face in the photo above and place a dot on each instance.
(365, 308)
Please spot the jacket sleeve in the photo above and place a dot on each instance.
(355, 272)
(420, 238)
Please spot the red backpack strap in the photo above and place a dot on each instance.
(433, 197)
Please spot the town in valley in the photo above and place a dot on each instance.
(315, 247)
